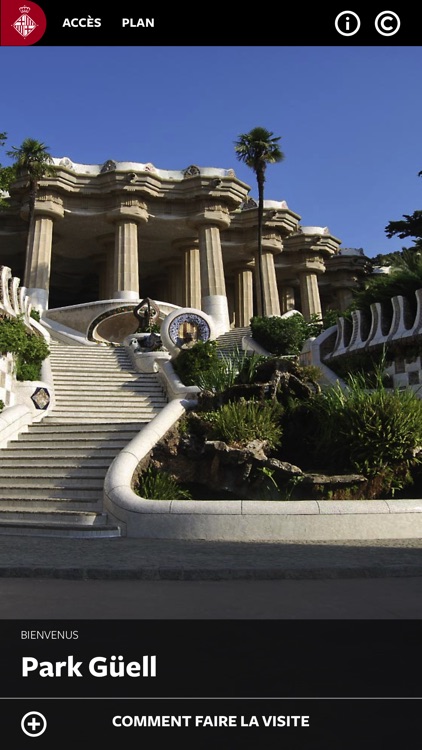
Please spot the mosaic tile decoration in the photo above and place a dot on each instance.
(41, 398)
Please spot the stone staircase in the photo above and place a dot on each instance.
(51, 478)
(232, 340)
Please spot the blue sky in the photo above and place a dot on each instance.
(349, 120)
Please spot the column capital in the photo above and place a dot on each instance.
(129, 209)
(211, 214)
(311, 264)
(47, 204)
(271, 243)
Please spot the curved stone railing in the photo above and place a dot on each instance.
(14, 300)
(386, 324)
(395, 326)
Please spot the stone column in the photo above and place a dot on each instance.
(39, 249)
(269, 284)
(191, 272)
(175, 282)
(271, 245)
(243, 288)
(192, 276)
(309, 294)
(126, 217)
(287, 299)
(213, 286)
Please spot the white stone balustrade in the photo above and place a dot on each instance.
(380, 329)
(384, 327)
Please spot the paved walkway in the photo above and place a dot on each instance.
(154, 559)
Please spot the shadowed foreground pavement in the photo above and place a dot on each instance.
(164, 559)
(43, 578)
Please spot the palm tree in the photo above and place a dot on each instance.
(7, 175)
(256, 149)
(31, 158)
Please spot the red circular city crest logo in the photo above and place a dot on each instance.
(21, 23)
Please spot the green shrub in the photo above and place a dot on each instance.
(191, 363)
(284, 336)
(240, 422)
(27, 371)
(370, 431)
(13, 335)
(29, 349)
(230, 369)
(159, 485)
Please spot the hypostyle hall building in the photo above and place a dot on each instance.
(125, 231)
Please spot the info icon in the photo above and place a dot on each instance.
(347, 23)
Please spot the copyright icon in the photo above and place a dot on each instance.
(387, 23)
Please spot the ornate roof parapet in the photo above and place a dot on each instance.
(248, 204)
(191, 171)
(145, 179)
(131, 166)
(108, 166)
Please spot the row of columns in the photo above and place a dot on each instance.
(202, 282)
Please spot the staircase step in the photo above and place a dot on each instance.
(41, 493)
(98, 377)
(19, 464)
(54, 516)
(112, 405)
(41, 504)
(85, 441)
(112, 427)
(18, 527)
(57, 456)
(91, 420)
(94, 388)
(79, 447)
(18, 472)
(33, 482)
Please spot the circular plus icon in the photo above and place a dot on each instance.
(387, 23)
(33, 724)
(347, 23)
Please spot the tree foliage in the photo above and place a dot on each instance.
(31, 158)
(403, 279)
(7, 175)
(409, 226)
(257, 149)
